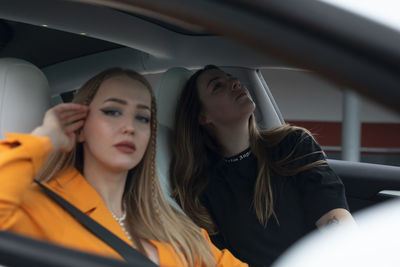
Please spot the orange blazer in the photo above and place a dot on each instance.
(25, 209)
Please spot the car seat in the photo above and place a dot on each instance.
(167, 91)
(24, 96)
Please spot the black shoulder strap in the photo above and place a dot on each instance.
(131, 255)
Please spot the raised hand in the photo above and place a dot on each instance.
(60, 124)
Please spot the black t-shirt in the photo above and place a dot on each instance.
(300, 200)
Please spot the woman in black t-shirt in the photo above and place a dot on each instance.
(255, 192)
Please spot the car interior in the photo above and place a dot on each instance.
(49, 48)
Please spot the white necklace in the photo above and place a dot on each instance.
(120, 221)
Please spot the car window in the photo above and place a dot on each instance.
(307, 100)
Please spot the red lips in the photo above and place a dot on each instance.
(126, 147)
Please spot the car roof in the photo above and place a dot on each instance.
(310, 34)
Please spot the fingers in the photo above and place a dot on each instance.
(74, 126)
(61, 108)
(60, 124)
(73, 117)
(66, 114)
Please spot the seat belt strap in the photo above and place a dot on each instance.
(130, 254)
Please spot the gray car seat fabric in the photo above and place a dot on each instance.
(24, 96)
(167, 92)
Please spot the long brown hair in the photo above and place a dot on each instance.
(149, 215)
(195, 151)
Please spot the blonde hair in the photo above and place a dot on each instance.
(149, 215)
(195, 151)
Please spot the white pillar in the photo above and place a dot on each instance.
(351, 126)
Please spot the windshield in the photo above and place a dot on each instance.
(385, 12)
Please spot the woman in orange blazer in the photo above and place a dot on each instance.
(98, 153)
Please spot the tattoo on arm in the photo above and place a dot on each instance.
(332, 220)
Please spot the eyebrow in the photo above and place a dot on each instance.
(143, 106)
(216, 78)
(213, 79)
(112, 99)
(123, 102)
